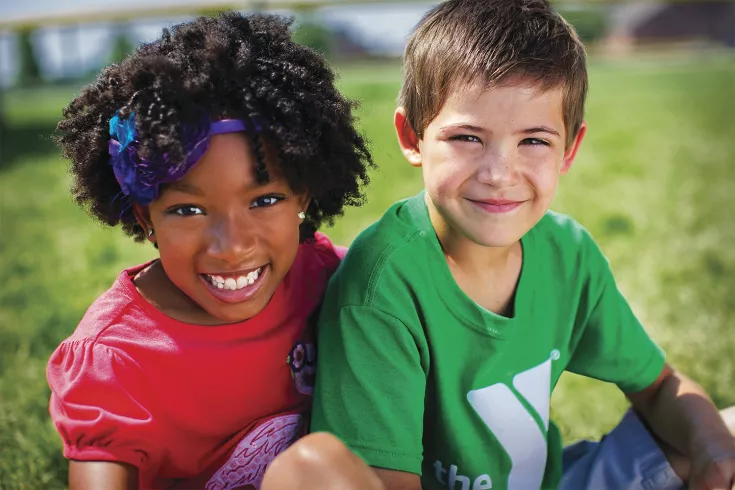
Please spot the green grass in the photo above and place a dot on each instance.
(652, 183)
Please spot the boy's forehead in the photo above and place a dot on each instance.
(474, 89)
(479, 94)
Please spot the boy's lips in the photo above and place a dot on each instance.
(496, 205)
(235, 287)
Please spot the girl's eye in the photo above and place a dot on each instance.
(534, 142)
(187, 211)
(266, 201)
(465, 138)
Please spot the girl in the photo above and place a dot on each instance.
(226, 145)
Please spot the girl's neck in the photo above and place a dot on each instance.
(155, 287)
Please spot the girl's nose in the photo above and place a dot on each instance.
(233, 239)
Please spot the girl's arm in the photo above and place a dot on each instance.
(93, 475)
(398, 480)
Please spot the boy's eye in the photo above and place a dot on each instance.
(466, 138)
(265, 201)
(534, 142)
(187, 211)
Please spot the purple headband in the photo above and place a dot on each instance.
(140, 178)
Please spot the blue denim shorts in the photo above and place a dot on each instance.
(628, 458)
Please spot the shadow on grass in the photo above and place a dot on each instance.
(25, 142)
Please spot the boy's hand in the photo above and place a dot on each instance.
(713, 464)
(682, 416)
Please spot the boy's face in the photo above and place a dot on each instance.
(491, 160)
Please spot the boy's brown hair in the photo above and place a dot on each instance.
(461, 41)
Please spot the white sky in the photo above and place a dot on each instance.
(383, 26)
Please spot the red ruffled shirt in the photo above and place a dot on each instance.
(191, 406)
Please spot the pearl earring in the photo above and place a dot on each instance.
(302, 215)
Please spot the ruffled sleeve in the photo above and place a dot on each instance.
(99, 406)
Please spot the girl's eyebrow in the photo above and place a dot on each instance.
(185, 188)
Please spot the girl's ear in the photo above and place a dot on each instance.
(143, 217)
(304, 201)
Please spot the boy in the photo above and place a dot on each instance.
(451, 319)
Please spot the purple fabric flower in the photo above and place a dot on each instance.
(140, 178)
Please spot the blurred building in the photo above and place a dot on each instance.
(697, 22)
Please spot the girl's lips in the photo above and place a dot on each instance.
(239, 295)
(497, 207)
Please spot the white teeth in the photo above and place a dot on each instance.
(233, 284)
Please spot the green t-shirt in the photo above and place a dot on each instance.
(415, 376)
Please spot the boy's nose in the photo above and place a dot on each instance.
(497, 170)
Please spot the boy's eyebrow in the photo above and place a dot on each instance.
(469, 127)
(540, 129)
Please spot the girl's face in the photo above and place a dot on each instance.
(224, 240)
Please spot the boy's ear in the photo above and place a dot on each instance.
(571, 152)
(407, 138)
(143, 217)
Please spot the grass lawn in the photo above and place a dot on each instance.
(652, 183)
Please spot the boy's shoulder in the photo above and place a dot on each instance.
(560, 233)
(392, 247)
(566, 246)
(394, 237)
(560, 227)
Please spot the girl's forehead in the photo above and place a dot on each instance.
(231, 162)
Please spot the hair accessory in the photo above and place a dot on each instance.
(302, 215)
(140, 178)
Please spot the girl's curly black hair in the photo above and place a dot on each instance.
(243, 67)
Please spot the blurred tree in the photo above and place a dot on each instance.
(315, 35)
(29, 72)
(121, 46)
(590, 22)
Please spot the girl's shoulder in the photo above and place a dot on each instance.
(320, 254)
(118, 307)
(306, 281)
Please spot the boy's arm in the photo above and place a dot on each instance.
(680, 413)
(370, 385)
(92, 475)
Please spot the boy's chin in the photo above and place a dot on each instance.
(493, 235)
(500, 240)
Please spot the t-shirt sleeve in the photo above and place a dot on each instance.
(610, 342)
(97, 405)
(370, 387)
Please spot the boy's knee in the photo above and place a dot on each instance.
(320, 449)
(320, 461)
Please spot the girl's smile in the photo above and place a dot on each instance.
(236, 287)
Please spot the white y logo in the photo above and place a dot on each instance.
(514, 427)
